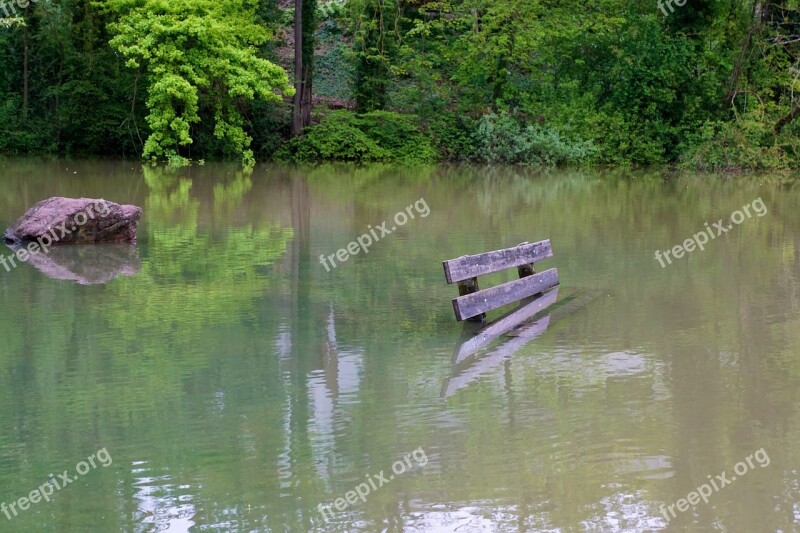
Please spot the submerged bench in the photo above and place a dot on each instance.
(473, 303)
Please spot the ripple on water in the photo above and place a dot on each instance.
(162, 502)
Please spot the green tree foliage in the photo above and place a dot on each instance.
(707, 84)
(376, 40)
(81, 100)
(201, 62)
(758, 129)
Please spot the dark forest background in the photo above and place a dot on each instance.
(709, 84)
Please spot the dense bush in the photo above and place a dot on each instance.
(16, 134)
(453, 136)
(378, 136)
(502, 139)
(747, 144)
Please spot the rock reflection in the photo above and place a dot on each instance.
(87, 265)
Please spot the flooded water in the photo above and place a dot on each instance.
(220, 377)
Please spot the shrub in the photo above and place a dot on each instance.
(268, 125)
(378, 136)
(503, 139)
(747, 144)
(452, 136)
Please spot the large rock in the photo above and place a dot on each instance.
(75, 221)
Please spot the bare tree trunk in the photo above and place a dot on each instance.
(297, 118)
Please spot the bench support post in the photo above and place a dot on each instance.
(468, 286)
(526, 270)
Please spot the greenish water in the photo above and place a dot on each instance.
(238, 386)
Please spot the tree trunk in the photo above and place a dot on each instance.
(309, 42)
(297, 118)
(304, 28)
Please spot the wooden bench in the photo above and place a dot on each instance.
(473, 303)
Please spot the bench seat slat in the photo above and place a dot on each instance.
(472, 266)
(494, 297)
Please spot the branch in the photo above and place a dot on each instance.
(788, 118)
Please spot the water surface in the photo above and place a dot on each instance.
(240, 386)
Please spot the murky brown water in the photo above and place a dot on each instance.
(240, 386)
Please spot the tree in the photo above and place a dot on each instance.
(305, 24)
(18, 20)
(377, 39)
(201, 61)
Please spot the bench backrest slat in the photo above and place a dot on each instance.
(472, 266)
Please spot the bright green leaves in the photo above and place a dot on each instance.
(202, 63)
(173, 105)
(12, 21)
